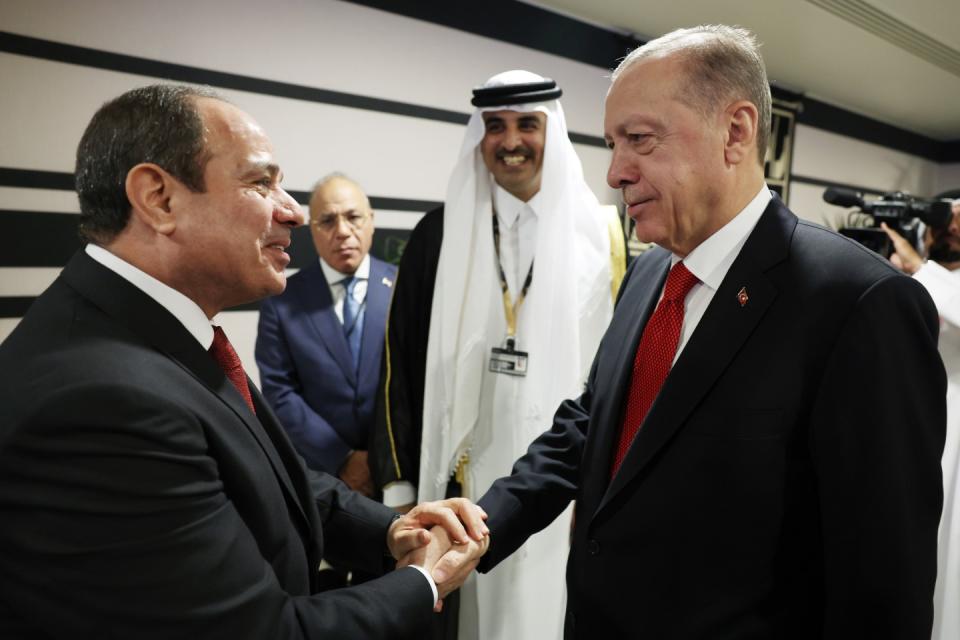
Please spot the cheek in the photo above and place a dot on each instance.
(487, 153)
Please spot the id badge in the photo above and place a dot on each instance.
(508, 360)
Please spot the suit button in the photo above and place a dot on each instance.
(593, 547)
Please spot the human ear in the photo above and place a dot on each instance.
(149, 189)
(741, 119)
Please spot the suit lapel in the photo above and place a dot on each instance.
(719, 336)
(634, 308)
(377, 304)
(137, 311)
(313, 296)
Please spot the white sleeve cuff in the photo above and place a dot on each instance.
(397, 494)
(433, 585)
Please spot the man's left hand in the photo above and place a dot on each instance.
(904, 256)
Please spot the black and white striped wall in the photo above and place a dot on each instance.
(377, 90)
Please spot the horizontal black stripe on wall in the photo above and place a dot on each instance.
(820, 182)
(521, 24)
(35, 179)
(388, 244)
(98, 59)
(41, 239)
(11, 307)
(529, 26)
(869, 191)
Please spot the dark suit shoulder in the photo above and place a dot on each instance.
(386, 267)
(837, 259)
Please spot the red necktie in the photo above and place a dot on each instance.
(223, 352)
(655, 353)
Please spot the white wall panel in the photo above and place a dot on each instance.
(829, 156)
(320, 43)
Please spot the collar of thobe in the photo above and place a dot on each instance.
(188, 312)
(509, 207)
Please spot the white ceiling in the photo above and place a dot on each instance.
(809, 49)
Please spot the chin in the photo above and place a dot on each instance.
(276, 286)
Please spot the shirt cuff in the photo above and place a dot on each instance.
(397, 494)
(433, 585)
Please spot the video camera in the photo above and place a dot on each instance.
(902, 212)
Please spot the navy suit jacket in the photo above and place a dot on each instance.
(306, 371)
(786, 481)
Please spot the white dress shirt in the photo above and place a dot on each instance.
(338, 291)
(711, 260)
(190, 315)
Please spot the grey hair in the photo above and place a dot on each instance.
(723, 64)
(337, 175)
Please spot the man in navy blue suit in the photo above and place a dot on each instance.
(319, 343)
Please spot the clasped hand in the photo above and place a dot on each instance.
(446, 537)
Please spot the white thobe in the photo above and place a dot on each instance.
(525, 595)
(944, 288)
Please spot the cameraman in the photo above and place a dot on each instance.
(939, 272)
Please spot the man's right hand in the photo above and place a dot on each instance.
(355, 473)
(449, 563)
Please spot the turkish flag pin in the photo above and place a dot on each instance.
(742, 296)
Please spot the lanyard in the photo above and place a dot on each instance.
(510, 310)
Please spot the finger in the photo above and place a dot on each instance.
(437, 608)
(439, 513)
(472, 517)
(407, 540)
(456, 564)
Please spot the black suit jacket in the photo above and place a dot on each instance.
(140, 498)
(786, 481)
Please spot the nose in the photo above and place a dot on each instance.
(618, 175)
(286, 210)
(955, 222)
(342, 228)
(511, 139)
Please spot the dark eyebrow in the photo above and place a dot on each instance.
(259, 168)
(529, 119)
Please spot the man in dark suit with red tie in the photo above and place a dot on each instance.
(745, 461)
(146, 488)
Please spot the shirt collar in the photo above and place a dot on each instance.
(334, 277)
(190, 315)
(508, 206)
(712, 258)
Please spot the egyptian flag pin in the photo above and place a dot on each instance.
(742, 296)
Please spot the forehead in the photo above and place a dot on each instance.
(645, 88)
(337, 195)
(231, 132)
(509, 115)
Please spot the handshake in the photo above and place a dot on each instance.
(446, 538)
